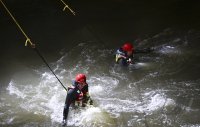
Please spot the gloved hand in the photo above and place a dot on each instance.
(91, 101)
(84, 104)
(130, 61)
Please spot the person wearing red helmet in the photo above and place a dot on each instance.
(124, 55)
(77, 95)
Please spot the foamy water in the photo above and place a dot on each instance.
(145, 94)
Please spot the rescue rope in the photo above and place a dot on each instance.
(66, 6)
(32, 44)
(49, 67)
(27, 38)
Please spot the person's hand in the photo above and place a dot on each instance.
(91, 102)
(130, 61)
(84, 104)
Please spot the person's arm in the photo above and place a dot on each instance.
(68, 101)
(86, 96)
(122, 62)
(145, 50)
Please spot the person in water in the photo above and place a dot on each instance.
(77, 95)
(124, 55)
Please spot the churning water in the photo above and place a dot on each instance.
(161, 89)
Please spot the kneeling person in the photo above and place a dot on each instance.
(77, 95)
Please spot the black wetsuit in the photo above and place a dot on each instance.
(73, 95)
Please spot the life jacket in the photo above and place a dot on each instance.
(84, 89)
(120, 54)
(81, 95)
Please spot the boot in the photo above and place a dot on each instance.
(64, 122)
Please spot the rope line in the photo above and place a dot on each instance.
(38, 52)
(66, 6)
(27, 38)
(32, 44)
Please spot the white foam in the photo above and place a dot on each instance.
(156, 102)
(48, 78)
(102, 85)
(115, 105)
(167, 49)
(10, 120)
(151, 102)
(56, 107)
(92, 116)
(96, 89)
(89, 114)
(55, 97)
(142, 64)
(13, 90)
(45, 98)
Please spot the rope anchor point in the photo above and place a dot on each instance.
(28, 40)
(65, 7)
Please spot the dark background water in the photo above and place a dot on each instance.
(108, 21)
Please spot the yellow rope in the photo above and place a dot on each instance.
(66, 6)
(27, 38)
(32, 45)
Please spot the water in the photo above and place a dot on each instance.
(161, 89)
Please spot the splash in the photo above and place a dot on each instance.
(92, 116)
(121, 98)
(45, 99)
(102, 85)
(168, 49)
(13, 90)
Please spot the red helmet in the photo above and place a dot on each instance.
(80, 78)
(128, 47)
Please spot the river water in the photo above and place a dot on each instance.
(160, 90)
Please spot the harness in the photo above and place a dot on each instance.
(79, 97)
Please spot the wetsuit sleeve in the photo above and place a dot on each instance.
(86, 96)
(122, 62)
(68, 101)
(86, 89)
(145, 50)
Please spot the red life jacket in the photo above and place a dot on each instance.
(79, 96)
